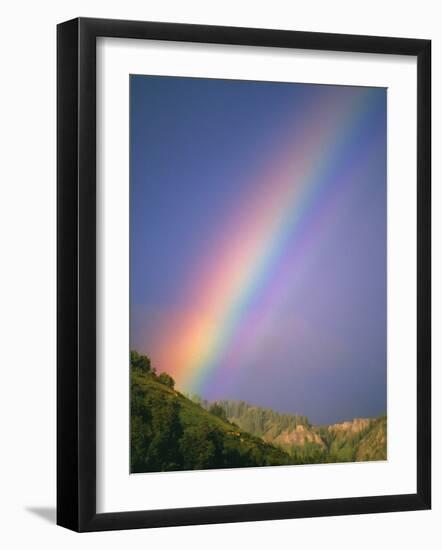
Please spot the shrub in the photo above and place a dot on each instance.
(140, 362)
(167, 380)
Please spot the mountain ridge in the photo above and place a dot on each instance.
(338, 442)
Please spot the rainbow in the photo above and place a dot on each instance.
(241, 286)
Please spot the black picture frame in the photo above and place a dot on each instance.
(76, 274)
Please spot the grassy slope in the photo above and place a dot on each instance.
(189, 412)
(247, 449)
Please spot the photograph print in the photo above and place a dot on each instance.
(258, 274)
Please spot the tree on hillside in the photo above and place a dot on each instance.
(166, 379)
(141, 362)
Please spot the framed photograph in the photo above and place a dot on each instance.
(243, 274)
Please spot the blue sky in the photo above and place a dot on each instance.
(200, 155)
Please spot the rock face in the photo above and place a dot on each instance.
(353, 426)
(299, 436)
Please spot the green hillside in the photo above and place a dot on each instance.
(170, 432)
